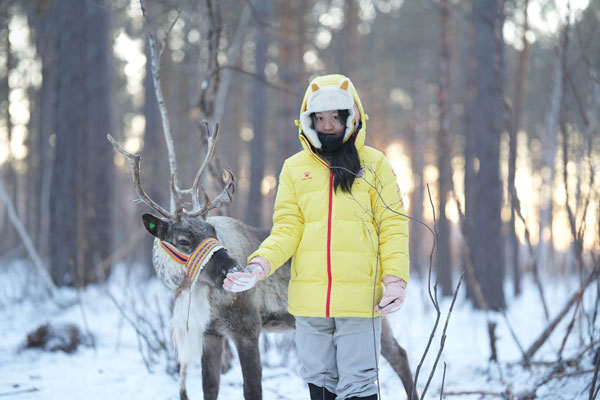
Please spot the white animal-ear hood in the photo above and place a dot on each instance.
(327, 93)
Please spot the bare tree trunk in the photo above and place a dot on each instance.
(418, 139)
(7, 172)
(155, 153)
(470, 182)
(546, 245)
(233, 150)
(444, 154)
(47, 48)
(82, 178)
(185, 95)
(347, 49)
(258, 109)
(488, 251)
(577, 244)
(292, 45)
(233, 56)
(230, 138)
(512, 157)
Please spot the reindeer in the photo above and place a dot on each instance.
(204, 314)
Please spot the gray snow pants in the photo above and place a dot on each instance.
(339, 354)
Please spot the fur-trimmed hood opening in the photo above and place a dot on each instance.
(331, 92)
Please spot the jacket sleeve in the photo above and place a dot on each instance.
(288, 225)
(390, 217)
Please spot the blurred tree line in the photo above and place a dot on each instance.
(488, 109)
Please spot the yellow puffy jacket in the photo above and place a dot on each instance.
(342, 244)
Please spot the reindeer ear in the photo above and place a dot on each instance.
(315, 86)
(156, 226)
(344, 84)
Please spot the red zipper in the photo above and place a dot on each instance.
(329, 244)
(329, 282)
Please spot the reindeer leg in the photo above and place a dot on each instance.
(211, 365)
(396, 356)
(248, 351)
(226, 357)
(182, 377)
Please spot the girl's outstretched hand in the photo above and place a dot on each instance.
(393, 297)
(257, 270)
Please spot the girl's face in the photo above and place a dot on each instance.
(328, 122)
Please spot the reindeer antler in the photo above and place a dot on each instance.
(197, 209)
(134, 163)
(211, 144)
(225, 196)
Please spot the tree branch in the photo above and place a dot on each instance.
(156, 50)
(37, 261)
(548, 331)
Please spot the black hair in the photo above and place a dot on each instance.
(344, 163)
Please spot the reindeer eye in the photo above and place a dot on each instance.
(183, 242)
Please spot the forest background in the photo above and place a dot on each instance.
(487, 109)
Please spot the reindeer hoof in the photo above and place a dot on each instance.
(183, 395)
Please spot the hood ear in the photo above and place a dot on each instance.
(155, 226)
(344, 84)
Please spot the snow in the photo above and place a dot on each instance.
(115, 368)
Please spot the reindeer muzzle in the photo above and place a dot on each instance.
(195, 261)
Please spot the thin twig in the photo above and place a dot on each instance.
(260, 78)
(17, 392)
(513, 333)
(553, 376)
(443, 339)
(433, 300)
(593, 388)
(472, 279)
(476, 392)
(37, 261)
(548, 331)
(443, 381)
(536, 273)
(142, 337)
(569, 329)
(468, 258)
(101, 268)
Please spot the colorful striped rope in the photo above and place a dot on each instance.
(195, 261)
(175, 254)
(200, 257)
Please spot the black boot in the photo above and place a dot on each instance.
(371, 397)
(320, 393)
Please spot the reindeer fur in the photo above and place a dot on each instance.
(203, 316)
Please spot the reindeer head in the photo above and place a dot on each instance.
(187, 229)
(186, 235)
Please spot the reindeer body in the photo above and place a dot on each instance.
(206, 315)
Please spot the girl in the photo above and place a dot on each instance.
(339, 214)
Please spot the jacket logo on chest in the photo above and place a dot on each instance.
(307, 176)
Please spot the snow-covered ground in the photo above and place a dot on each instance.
(115, 367)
